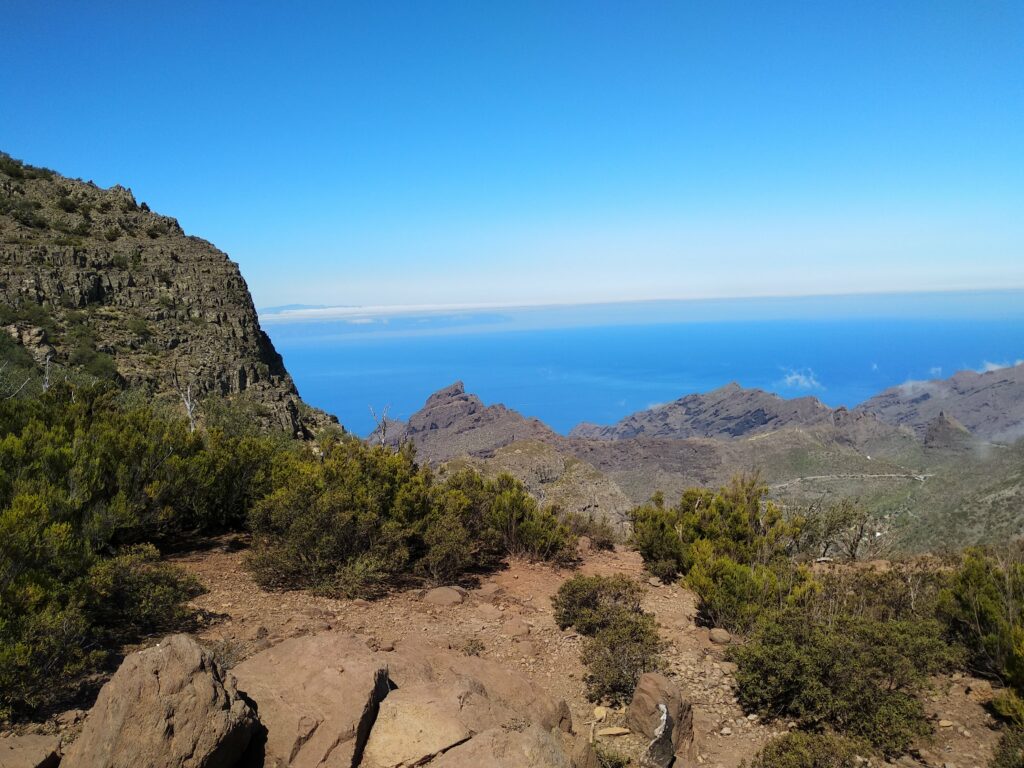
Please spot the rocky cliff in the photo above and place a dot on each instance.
(730, 411)
(90, 278)
(453, 423)
(990, 404)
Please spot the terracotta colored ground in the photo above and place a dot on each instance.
(243, 618)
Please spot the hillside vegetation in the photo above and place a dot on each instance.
(95, 481)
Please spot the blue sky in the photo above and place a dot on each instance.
(434, 152)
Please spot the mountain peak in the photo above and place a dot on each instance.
(729, 411)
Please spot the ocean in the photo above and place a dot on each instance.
(600, 362)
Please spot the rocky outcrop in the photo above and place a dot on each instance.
(98, 280)
(989, 405)
(330, 700)
(730, 411)
(659, 713)
(169, 705)
(532, 747)
(453, 423)
(945, 432)
(29, 751)
(418, 722)
(317, 697)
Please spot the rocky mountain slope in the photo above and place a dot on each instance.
(453, 423)
(990, 404)
(730, 411)
(911, 478)
(90, 278)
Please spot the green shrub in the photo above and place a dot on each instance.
(133, 594)
(984, 609)
(66, 203)
(737, 522)
(623, 641)
(855, 674)
(1010, 750)
(588, 603)
(609, 758)
(733, 595)
(89, 478)
(522, 527)
(357, 520)
(601, 533)
(810, 750)
(625, 647)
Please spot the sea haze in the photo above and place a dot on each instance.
(573, 363)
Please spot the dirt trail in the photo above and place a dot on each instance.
(243, 619)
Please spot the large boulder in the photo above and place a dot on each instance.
(499, 695)
(29, 751)
(169, 705)
(317, 696)
(415, 724)
(329, 700)
(532, 747)
(659, 713)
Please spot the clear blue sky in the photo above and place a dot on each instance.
(435, 152)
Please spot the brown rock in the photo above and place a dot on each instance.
(720, 636)
(169, 705)
(29, 751)
(490, 589)
(443, 596)
(414, 725)
(658, 711)
(317, 696)
(584, 755)
(533, 747)
(516, 627)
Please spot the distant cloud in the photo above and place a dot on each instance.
(988, 367)
(803, 378)
(874, 366)
(936, 371)
(913, 388)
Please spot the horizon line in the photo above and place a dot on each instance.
(332, 312)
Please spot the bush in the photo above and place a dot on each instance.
(623, 641)
(601, 533)
(736, 522)
(360, 518)
(984, 609)
(809, 750)
(1010, 751)
(609, 758)
(855, 674)
(588, 603)
(133, 594)
(89, 479)
(733, 595)
(624, 648)
(522, 527)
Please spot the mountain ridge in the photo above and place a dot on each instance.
(91, 278)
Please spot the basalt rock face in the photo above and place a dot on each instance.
(730, 411)
(91, 278)
(453, 423)
(989, 405)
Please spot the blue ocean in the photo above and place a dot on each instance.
(600, 362)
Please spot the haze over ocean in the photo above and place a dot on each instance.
(567, 364)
